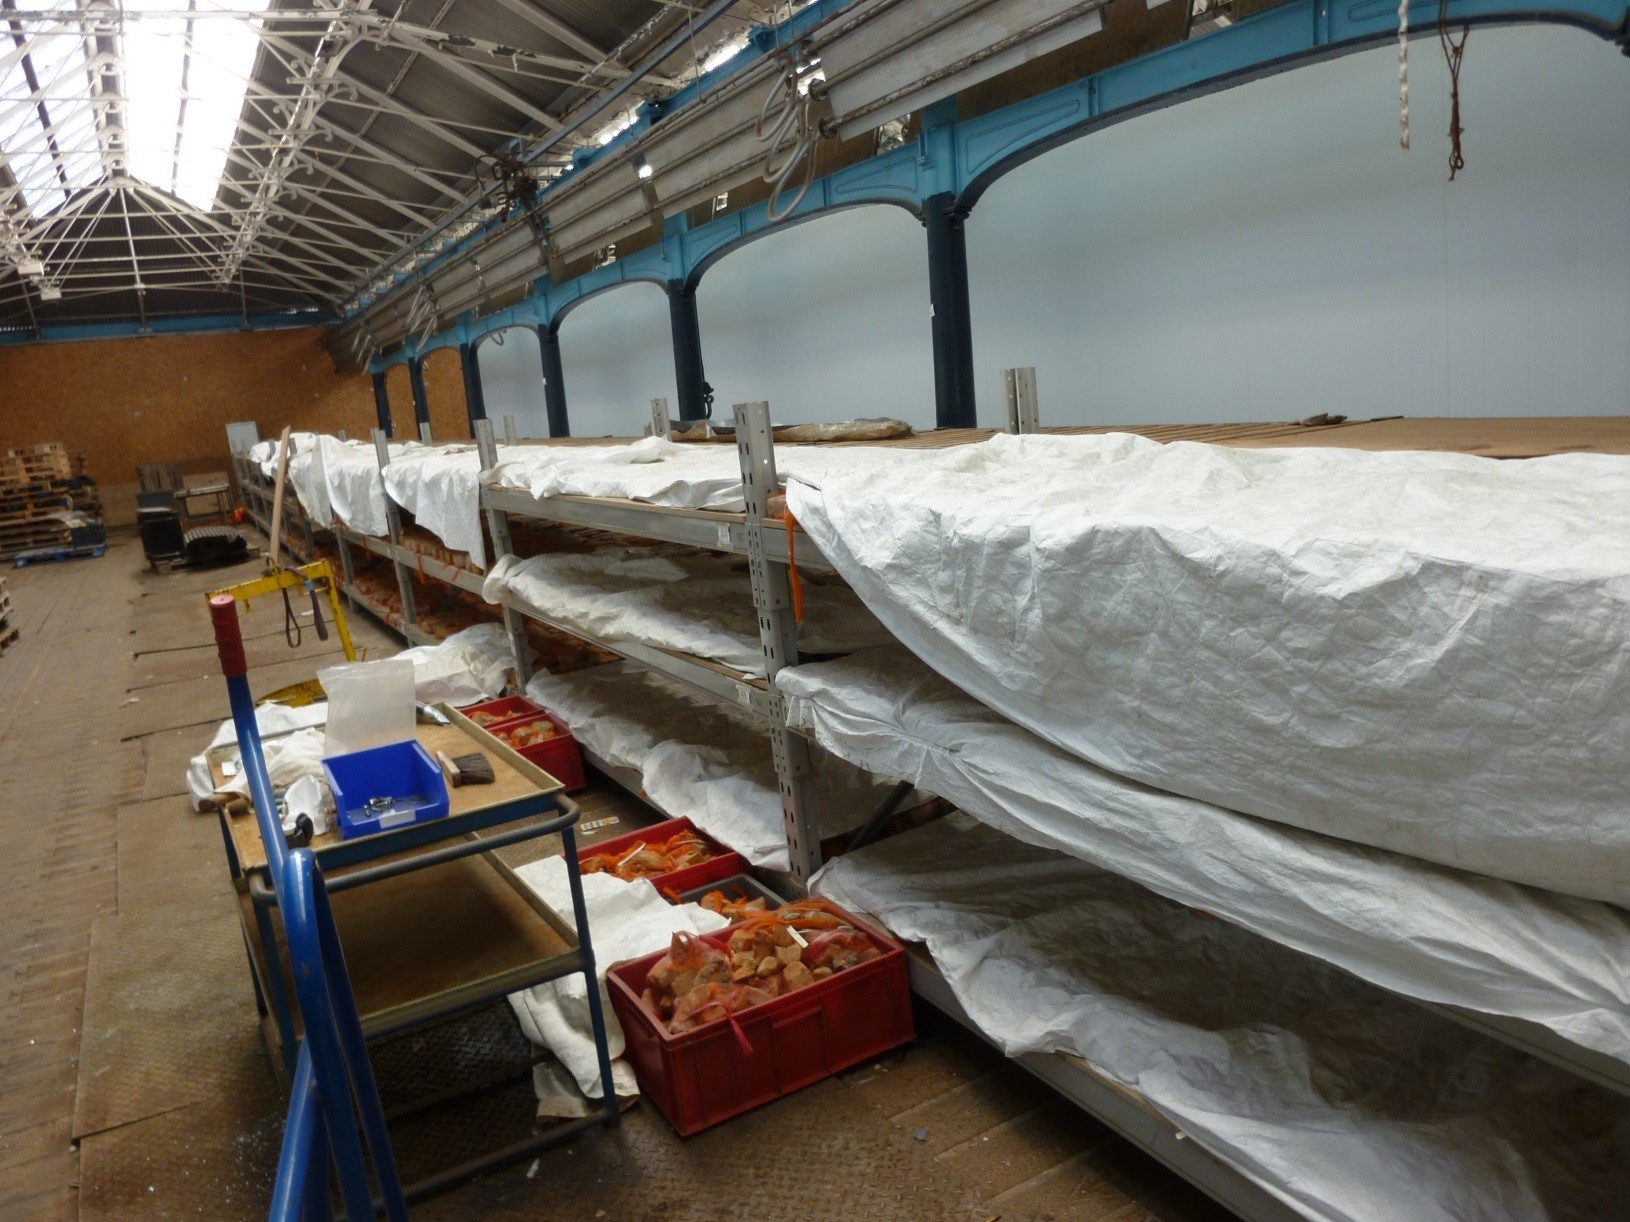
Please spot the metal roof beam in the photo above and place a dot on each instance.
(307, 161)
(207, 220)
(543, 19)
(337, 42)
(385, 157)
(345, 215)
(210, 257)
(472, 75)
(545, 67)
(435, 126)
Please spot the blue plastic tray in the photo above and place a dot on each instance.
(403, 772)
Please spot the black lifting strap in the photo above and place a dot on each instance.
(291, 622)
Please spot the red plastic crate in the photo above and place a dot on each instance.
(727, 862)
(706, 1076)
(559, 756)
(506, 708)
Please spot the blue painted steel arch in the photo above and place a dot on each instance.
(965, 158)
(1291, 36)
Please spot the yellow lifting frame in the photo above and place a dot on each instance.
(318, 571)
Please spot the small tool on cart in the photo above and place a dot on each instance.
(472, 769)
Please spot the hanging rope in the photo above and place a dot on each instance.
(1452, 53)
(1403, 74)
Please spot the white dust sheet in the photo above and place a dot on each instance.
(1348, 1104)
(701, 759)
(1426, 931)
(1420, 652)
(669, 599)
(441, 487)
(340, 480)
(670, 474)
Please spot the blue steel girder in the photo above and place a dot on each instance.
(555, 301)
(965, 158)
(1290, 36)
(900, 177)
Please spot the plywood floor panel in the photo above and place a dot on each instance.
(169, 1013)
(212, 1159)
(191, 702)
(63, 773)
(169, 857)
(165, 757)
(203, 662)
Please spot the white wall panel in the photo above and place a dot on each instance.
(512, 381)
(827, 321)
(616, 351)
(1269, 252)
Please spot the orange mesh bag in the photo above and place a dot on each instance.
(733, 909)
(681, 849)
(689, 962)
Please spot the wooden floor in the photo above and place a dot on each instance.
(133, 1082)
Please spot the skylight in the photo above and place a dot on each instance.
(179, 85)
(185, 92)
(50, 140)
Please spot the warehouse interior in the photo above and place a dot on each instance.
(967, 609)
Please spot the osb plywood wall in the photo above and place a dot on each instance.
(399, 389)
(169, 398)
(443, 387)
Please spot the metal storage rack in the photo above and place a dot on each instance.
(770, 549)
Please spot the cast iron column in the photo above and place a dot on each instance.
(954, 402)
(474, 404)
(687, 339)
(554, 381)
(421, 401)
(382, 402)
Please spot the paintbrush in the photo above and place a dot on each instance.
(472, 769)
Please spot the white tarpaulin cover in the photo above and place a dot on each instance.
(270, 719)
(472, 664)
(701, 759)
(441, 487)
(698, 604)
(438, 485)
(654, 470)
(264, 453)
(1346, 1103)
(1423, 930)
(626, 920)
(340, 479)
(661, 472)
(1421, 652)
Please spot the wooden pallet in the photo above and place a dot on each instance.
(42, 469)
(29, 514)
(8, 638)
(47, 460)
(39, 555)
(16, 539)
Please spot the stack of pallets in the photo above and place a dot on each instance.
(8, 630)
(35, 483)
